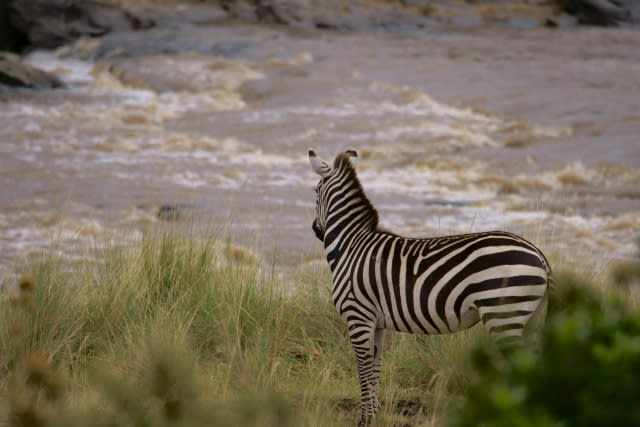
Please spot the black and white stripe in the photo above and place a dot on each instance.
(431, 286)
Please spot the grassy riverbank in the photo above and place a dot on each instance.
(188, 332)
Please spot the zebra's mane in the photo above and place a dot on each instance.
(343, 162)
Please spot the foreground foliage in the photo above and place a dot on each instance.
(194, 332)
(587, 374)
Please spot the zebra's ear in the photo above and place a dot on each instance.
(318, 165)
(353, 156)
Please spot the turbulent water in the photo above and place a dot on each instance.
(532, 131)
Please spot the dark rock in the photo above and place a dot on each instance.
(563, 20)
(411, 15)
(15, 72)
(52, 23)
(10, 39)
(329, 14)
(604, 12)
(173, 212)
(163, 41)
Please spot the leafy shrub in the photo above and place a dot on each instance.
(587, 373)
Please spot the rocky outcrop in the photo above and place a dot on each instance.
(604, 12)
(52, 23)
(9, 38)
(333, 14)
(14, 72)
(411, 14)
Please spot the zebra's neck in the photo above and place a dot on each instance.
(350, 217)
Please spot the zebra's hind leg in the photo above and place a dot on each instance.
(378, 349)
(506, 322)
(363, 341)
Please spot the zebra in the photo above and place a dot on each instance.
(382, 280)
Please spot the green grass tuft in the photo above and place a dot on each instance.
(188, 332)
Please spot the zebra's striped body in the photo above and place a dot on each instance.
(430, 286)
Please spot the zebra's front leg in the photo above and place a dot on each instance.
(362, 339)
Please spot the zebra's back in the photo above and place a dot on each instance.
(443, 285)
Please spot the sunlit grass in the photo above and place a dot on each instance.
(183, 331)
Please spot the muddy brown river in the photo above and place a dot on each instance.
(534, 131)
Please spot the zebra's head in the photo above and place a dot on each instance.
(329, 176)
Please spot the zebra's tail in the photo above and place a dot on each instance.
(551, 292)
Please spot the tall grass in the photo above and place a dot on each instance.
(185, 331)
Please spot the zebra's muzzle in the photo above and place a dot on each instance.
(317, 230)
